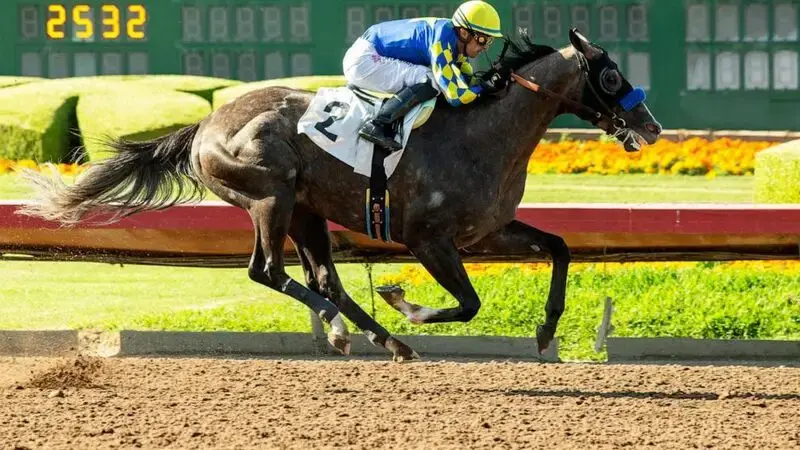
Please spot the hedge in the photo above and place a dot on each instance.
(201, 86)
(135, 113)
(777, 174)
(38, 120)
(8, 81)
(35, 125)
(311, 83)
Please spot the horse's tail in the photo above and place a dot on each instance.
(140, 176)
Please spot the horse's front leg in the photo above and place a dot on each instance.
(518, 238)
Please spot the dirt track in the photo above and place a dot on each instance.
(223, 403)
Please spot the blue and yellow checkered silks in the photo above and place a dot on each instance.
(432, 42)
(455, 77)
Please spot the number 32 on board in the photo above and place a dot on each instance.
(84, 26)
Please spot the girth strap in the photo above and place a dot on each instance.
(377, 198)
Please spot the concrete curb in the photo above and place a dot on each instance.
(685, 349)
(21, 343)
(38, 343)
(192, 343)
(142, 343)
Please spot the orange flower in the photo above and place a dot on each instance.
(68, 169)
(695, 156)
(6, 165)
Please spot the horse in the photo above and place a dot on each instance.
(456, 188)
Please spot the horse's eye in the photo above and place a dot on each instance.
(611, 80)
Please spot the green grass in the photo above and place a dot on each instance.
(579, 188)
(12, 187)
(701, 300)
(50, 295)
(638, 189)
(695, 300)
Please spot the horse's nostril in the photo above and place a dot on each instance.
(653, 127)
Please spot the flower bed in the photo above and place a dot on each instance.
(695, 156)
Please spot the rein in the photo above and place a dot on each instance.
(530, 85)
(596, 116)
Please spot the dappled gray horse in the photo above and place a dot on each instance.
(457, 186)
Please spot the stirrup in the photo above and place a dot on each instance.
(372, 133)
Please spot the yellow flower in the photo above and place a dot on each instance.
(26, 164)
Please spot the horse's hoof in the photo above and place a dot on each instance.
(403, 358)
(543, 339)
(340, 343)
(400, 351)
(413, 318)
(393, 294)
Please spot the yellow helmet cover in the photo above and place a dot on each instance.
(477, 15)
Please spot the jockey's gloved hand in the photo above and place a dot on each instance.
(494, 84)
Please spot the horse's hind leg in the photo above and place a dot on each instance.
(271, 218)
(261, 180)
(310, 235)
(440, 257)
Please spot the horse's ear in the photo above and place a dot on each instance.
(582, 44)
(576, 38)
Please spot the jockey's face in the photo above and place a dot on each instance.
(474, 43)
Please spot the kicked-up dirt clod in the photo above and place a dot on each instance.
(80, 372)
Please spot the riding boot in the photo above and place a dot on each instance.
(380, 129)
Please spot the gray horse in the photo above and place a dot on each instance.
(457, 186)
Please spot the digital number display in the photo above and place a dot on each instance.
(113, 22)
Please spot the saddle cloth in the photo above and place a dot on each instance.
(334, 116)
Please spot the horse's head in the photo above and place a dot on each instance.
(594, 89)
(609, 101)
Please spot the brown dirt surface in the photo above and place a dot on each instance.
(357, 404)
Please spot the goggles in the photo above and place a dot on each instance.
(482, 39)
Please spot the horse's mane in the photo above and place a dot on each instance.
(521, 53)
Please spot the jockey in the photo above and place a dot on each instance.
(416, 59)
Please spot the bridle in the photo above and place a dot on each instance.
(591, 114)
(628, 101)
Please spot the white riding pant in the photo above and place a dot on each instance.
(366, 69)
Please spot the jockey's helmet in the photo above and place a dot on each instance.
(478, 16)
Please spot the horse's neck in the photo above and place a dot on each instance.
(512, 126)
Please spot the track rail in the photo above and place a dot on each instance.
(217, 234)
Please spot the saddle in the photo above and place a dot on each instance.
(332, 121)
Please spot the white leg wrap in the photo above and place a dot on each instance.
(338, 326)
